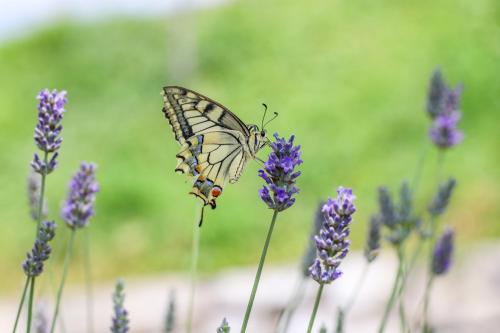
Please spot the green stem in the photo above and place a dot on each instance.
(26, 284)
(42, 194)
(392, 298)
(67, 259)
(315, 308)
(420, 163)
(426, 303)
(88, 282)
(259, 271)
(195, 249)
(30, 303)
(400, 297)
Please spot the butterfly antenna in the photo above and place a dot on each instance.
(201, 216)
(264, 115)
(267, 122)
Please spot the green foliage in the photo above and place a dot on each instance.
(348, 78)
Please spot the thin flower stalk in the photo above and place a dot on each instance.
(278, 194)
(89, 295)
(170, 315)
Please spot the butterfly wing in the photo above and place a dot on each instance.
(212, 141)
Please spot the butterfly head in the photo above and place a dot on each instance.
(257, 139)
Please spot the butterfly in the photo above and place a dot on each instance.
(215, 143)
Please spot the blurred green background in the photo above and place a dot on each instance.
(349, 79)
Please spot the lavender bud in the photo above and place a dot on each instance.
(386, 207)
(33, 265)
(224, 327)
(443, 250)
(279, 175)
(332, 244)
(436, 94)
(41, 322)
(372, 246)
(79, 207)
(120, 320)
(442, 197)
(34, 189)
(170, 317)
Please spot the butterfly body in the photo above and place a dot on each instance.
(215, 143)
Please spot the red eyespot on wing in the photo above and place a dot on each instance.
(216, 191)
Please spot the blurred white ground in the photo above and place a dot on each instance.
(466, 300)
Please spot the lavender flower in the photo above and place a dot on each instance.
(279, 174)
(170, 317)
(443, 250)
(331, 242)
(120, 319)
(436, 94)
(443, 107)
(34, 197)
(41, 324)
(48, 129)
(398, 219)
(442, 197)
(33, 265)
(79, 207)
(310, 253)
(373, 239)
(224, 327)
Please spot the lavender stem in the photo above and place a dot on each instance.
(30, 303)
(26, 284)
(392, 298)
(67, 259)
(195, 249)
(259, 271)
(428, 288)
(315, 308)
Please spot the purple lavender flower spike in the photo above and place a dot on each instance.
(33, 265)
(332, 244)
(443, 106)
(279, 175)
(443, 251)
(48, 129)
(120, 321)
(79, 207)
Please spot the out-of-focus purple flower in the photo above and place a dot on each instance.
(442, 197)
(436, 94)
(34, 197)
(79, 206)
(399, 218)
(41, 322)
(443, 106)
(120, 317)
(48, 129)
(279, 175)
(224, 327)
(372, 245)
(33, 265)
(443, 251)
(332, 244)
